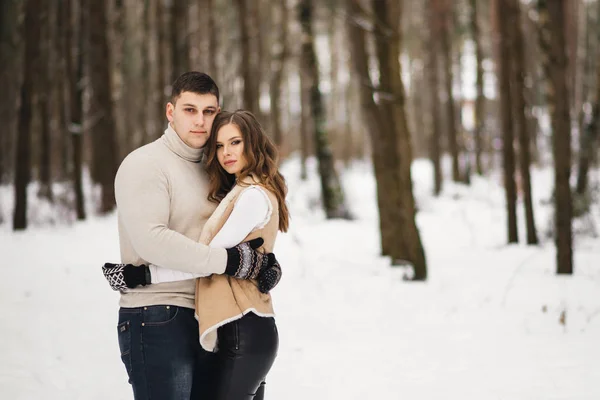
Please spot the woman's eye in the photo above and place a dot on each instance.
(219, 146)
(236, 142)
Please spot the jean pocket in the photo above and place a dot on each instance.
(159, 315)
(124, 336)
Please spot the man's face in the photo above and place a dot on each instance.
(192, 117)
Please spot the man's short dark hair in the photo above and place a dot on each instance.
(195, 82)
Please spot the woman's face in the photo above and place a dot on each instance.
(230, 149)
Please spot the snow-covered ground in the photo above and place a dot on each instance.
(486, 324)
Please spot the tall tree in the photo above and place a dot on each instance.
(279, 56)
(434, 87)
(179, 31)
(248, 16)
(553, 46)
(44, 86)
(10, 78)
(409, 247)
(445, 11)
(520, 107)
(135, 73)
(306, 122)
(479, 111)
(588, 141)
(508, 152)
(23, 160)
(74, 40)
(383, 152)
(388, 133)
(331, 189)
(101, 122)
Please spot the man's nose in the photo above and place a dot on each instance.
(200, 120)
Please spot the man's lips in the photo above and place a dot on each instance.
(198, 132)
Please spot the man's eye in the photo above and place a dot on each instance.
(189, 110)
(209, 112)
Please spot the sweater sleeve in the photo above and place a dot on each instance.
(251, 211)
(143, 204)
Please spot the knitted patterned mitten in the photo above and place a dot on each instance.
(244, 261)
(270, 277)
(122, 276)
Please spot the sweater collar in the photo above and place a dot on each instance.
(174, 143)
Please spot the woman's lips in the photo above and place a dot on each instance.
(230, 162)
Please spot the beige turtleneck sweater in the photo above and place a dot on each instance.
(161, 191)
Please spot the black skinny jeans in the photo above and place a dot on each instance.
(247, 350)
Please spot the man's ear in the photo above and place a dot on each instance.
(169, 111)
(218, 109)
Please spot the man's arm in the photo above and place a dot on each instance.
(142, 195)
(251, 211)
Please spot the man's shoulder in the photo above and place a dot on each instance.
(147, 154)
(145, 160)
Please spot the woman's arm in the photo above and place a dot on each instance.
(251, 211)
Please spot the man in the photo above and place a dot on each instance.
(161, 191)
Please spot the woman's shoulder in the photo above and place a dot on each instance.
(256, 193)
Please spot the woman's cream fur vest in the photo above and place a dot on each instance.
(221, 299)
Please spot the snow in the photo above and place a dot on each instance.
(486, 324)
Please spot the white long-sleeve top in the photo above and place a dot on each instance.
(251, 211)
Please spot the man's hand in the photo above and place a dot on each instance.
(269, 278)
(122, 276)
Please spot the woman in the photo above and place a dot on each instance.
(236, 319)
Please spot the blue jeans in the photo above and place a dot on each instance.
(161, 352)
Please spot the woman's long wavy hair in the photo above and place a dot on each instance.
(262, 160)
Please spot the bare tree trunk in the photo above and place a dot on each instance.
(134, 73)
(552, 42)
(101, 120)
(480, 99)
(409, 247)
(589, 141)
(164, 65)
(589, 135)
(305, 122)
(432, 71)
(504, 64)
(383, 154)
(520, 106)
(212, 45)
(154, 107)
(23, 159)
(280, 50)
(588, 44)
(248, 18)
(11, 59)
(582, 35)
(74, 69)
(59, 88)
(43, 83)
(331, 190)
(532, 90)
(180, 46)
(445, 9)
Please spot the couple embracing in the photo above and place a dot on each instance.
(198, 212)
